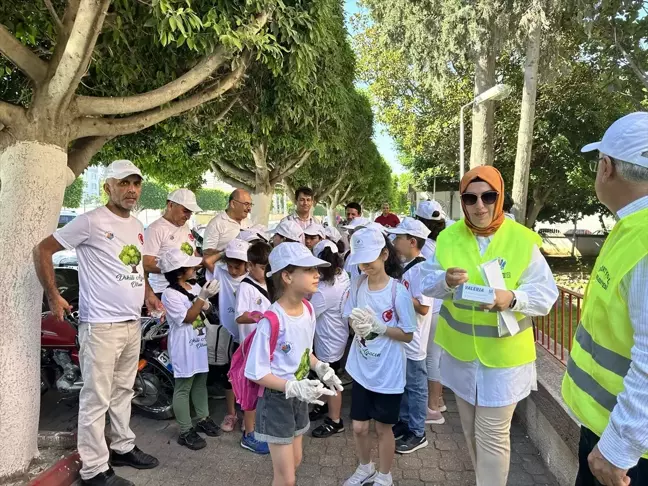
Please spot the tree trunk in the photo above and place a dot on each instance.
(330, 214)
(481, 148)
(261, 209)
(536, 206)
(34, 177)
(527, 118)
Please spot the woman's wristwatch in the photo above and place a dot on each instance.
(514, 301)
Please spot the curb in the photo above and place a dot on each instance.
(63, 473)
(62, 440)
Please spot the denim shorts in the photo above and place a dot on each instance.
(279, 419)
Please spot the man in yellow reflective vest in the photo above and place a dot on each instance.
(606, 384)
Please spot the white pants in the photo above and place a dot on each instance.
(487, 431)
(433, 359)
(109, 356)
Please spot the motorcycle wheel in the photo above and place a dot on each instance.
(154, 392)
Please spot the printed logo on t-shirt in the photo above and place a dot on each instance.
(172, 237)
(109, 235)
(187, 248)
(364, 350)
(230, 310)
(140, 236)
(286, 347)
(131, 257)
(388, 315)
(258, 301)
(191, 237)
(199, 326)
(406, 284)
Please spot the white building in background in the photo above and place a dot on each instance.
(93, 178)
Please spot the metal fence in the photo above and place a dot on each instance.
(556, 330)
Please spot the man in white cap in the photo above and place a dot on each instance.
(109, 242)
(606, 384)
(169, 231)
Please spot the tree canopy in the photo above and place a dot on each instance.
(73, 194)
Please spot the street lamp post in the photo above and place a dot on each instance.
(497, 92)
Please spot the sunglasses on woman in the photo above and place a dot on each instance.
(488, 198)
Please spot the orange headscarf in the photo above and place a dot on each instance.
(492, 176)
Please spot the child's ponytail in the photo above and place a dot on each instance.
(393, 266)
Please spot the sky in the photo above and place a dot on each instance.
(383, 140)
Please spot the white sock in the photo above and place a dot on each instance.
(367, 467)
(386, 477)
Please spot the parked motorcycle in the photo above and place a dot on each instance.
(60, 368)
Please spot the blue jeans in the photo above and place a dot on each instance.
(413, 410)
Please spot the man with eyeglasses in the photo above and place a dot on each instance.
(226, 226)
(606, 384)
(168, 232)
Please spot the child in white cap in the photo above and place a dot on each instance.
(184, 304)
(313, 234)
(282, 411)
(381, 313)
(287, 231)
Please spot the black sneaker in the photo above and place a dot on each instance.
(209, 427)
(135, 458)
(318, 412)
(328, 428)
(106, 478)
(410, 443)
(400, 430)
(192, 440)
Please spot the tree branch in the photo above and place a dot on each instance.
(332, 187)
(289, 167)
(78, 51)
(345, 194)
(20, 55)
(11, 115)
(89, 126)
(52, 11)
(82, 151)
(245, 176)
(643, 76)
(230, 180)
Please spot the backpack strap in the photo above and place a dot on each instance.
(394, 289)
(274, 330)
(308, 305)
(179, 288)
(416, 261)
(261, 290)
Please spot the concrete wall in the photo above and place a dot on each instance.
(586, 245)
(549, 425)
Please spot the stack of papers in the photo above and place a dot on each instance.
(492, 275)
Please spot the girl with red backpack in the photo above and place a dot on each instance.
(280, 357)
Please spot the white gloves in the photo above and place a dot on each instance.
(364, 322)
(327, 375)
(209, 290)
(307, 390)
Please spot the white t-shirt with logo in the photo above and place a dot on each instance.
(295, 340)
(379, 364)
(227, 298)
(331, 330)
(187, 342)
(160, 237)
(416, 350)
(111, 275)
(249, 299)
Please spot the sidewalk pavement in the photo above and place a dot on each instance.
(327, 462)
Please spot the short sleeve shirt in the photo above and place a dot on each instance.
(249, 299)
(221, 230)
(416, 350)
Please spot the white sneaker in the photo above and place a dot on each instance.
(365, 473)
(383, 480)
(434, 417)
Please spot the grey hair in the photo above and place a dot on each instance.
(631, 172)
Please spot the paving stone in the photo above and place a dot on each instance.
(431, 474)
(533, 464)
(451, 463)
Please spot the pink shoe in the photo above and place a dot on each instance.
(442, 406)
(229, 423)
(433, 417)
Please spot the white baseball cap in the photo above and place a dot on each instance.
(626, 139)
(319, 248)
(292, 254)
(332, 234)
(366, 245)
(237, 250)
(120, 169)
(356, 223)
(315, 229)
(426, 209)
(176, 258)
(289, 229)
(412, 227)
(253, 233)
(377, 226)
(185, 198)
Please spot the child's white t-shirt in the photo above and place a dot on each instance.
(416, 350)
(295, 340)
(227, 298)
(331, 330)
(379, 364)
(249, 299)
(187, 344)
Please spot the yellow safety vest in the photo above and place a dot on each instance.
(600, 357)
(466, 332)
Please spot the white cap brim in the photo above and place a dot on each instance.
(192, 207)
(365, 256)
(237, 256)
(124, 174)
(194, 261)
(306, 262)
(591, 147)
(397, 231)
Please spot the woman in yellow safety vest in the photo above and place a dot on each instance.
(487, 361)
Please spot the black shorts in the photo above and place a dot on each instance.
(336, 366)
(367, 405)
(218, 375)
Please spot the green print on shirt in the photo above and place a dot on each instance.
(187, 248)
(199, 326)
(304, 365)
(130, 256)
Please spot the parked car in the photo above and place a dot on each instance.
(549, 232)
(579, 232)
(65, 217)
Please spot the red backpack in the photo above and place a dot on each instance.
(246, 391)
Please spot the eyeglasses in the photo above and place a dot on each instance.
(248, 205)
(488, 197)
(595, 163)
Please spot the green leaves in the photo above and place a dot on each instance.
(73, 194)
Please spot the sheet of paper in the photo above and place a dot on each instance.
(492, 274)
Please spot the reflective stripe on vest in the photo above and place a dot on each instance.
(606, 358)
(589, 385)
(480, 330)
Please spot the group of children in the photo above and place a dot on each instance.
(308, 304)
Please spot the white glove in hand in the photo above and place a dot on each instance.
(209, 290)
(361, 322)
(307, 390)
(377, 325)
(206, 306)
(327, 375)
